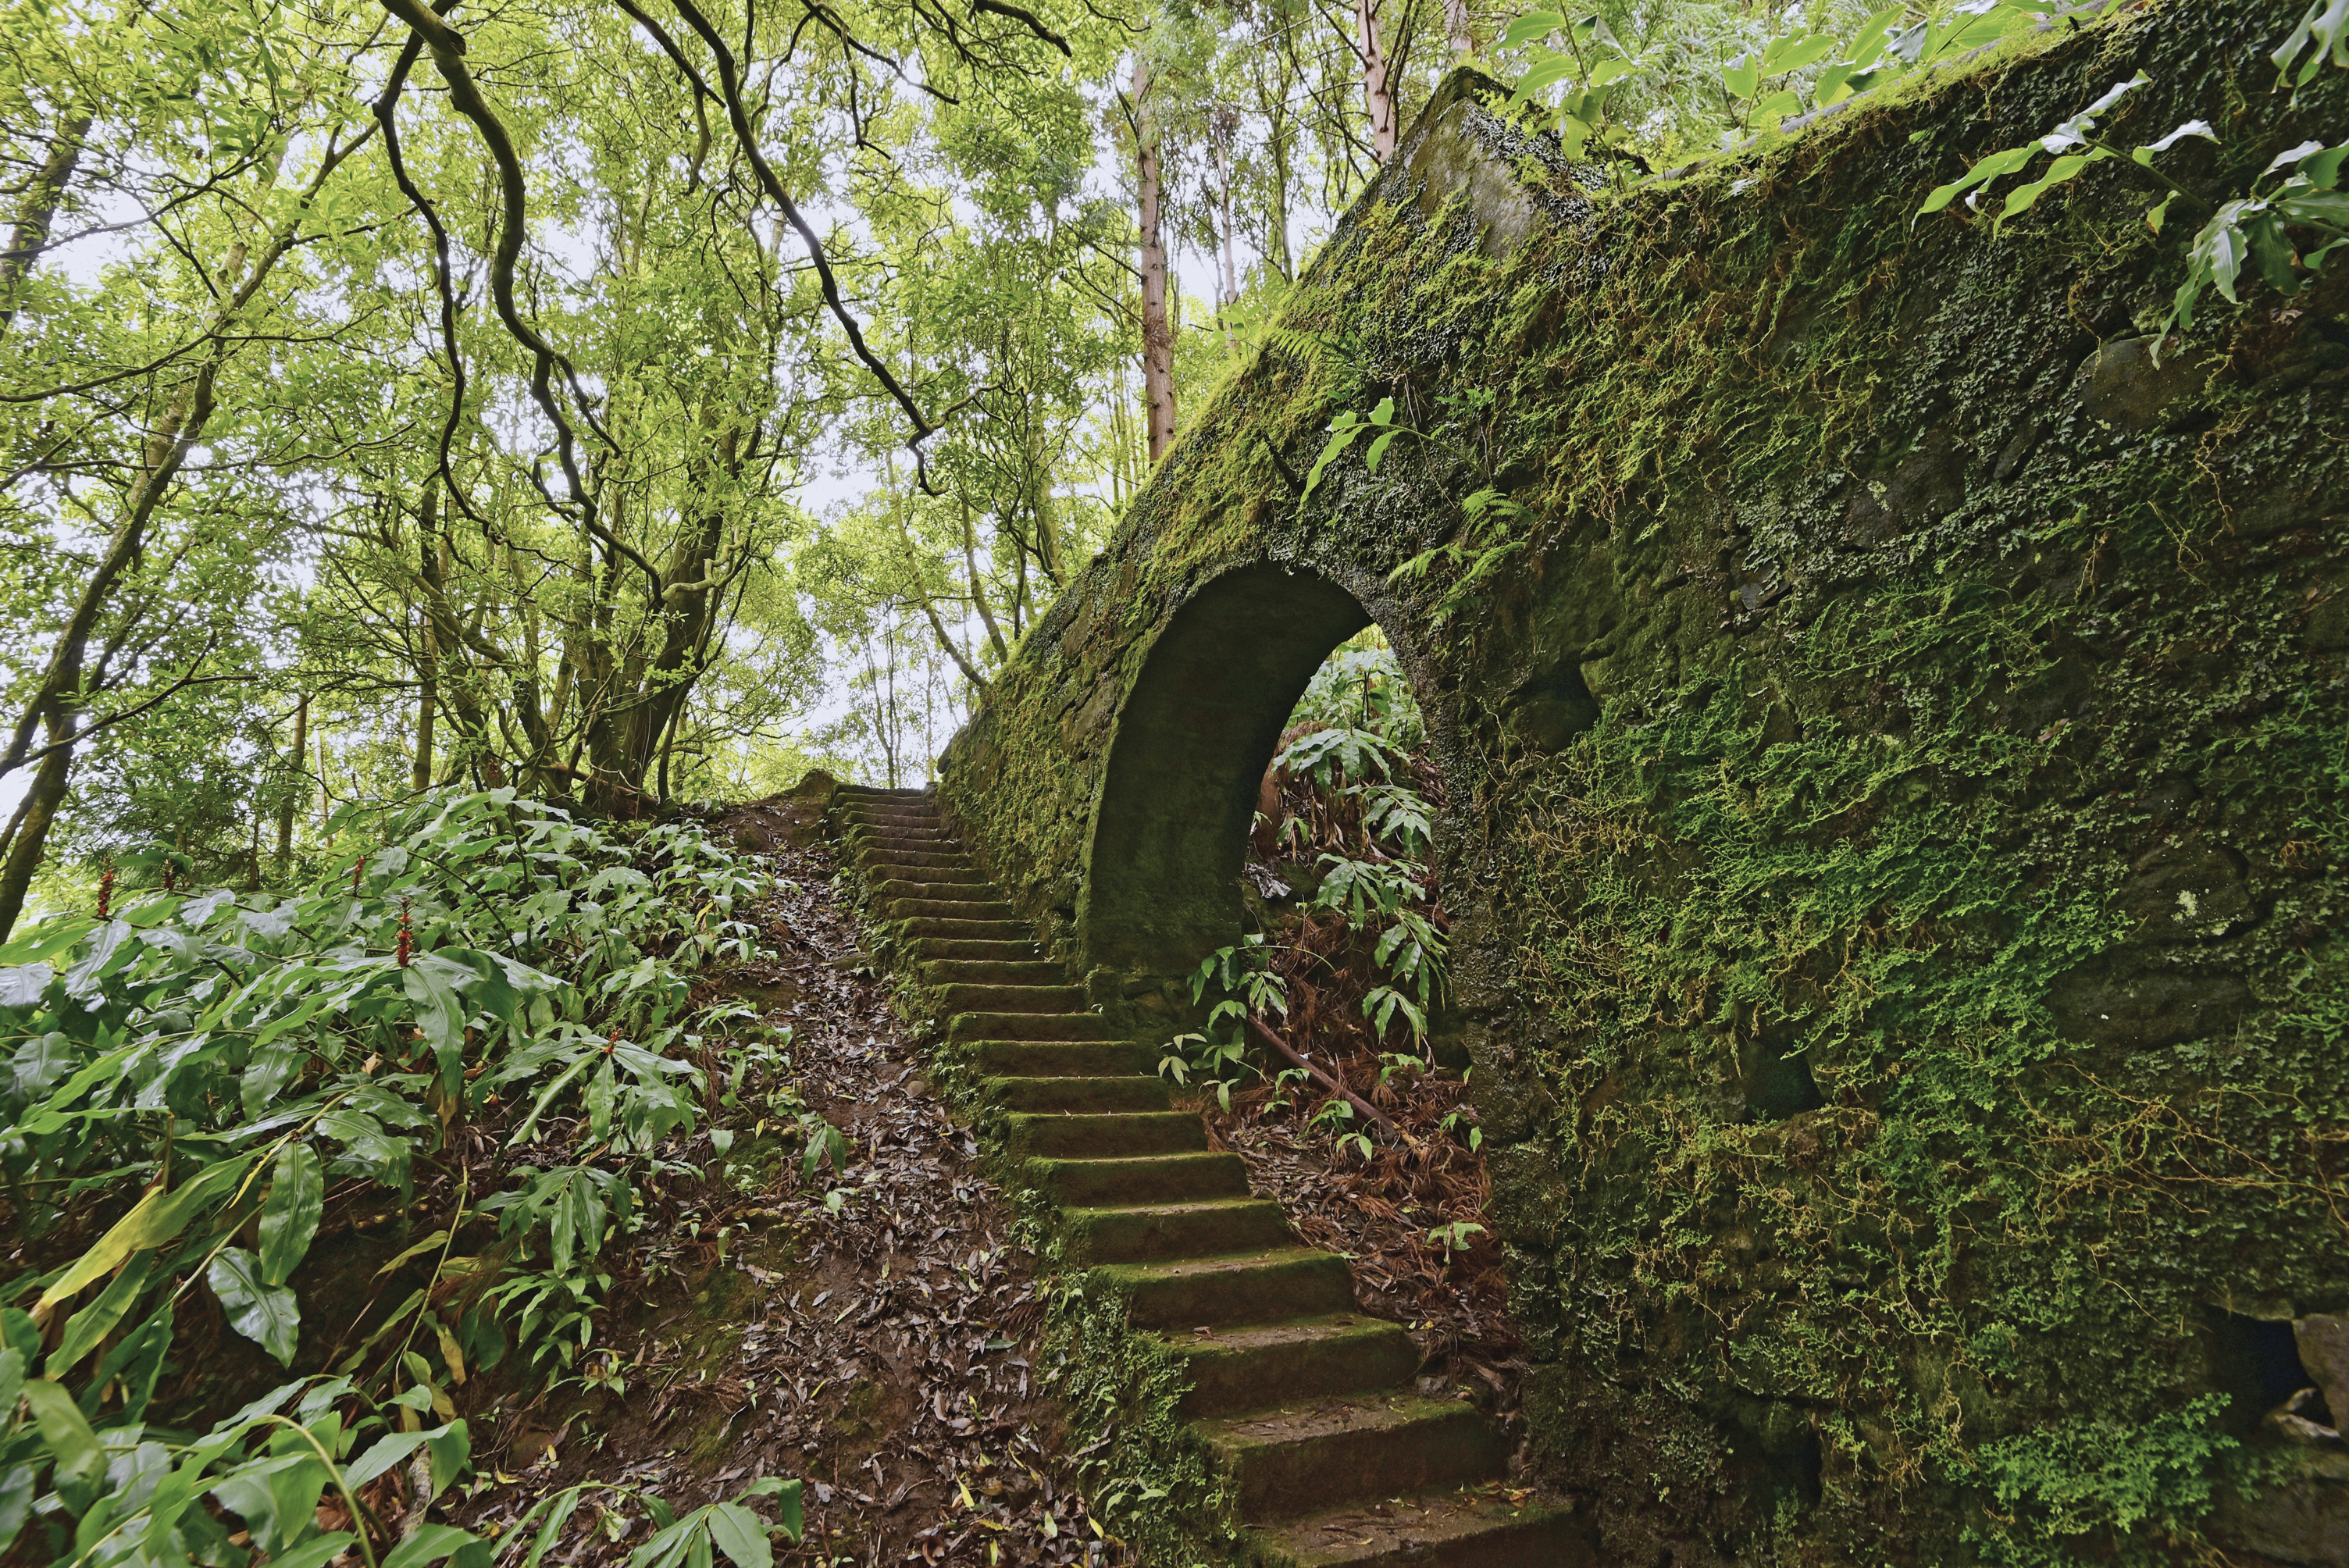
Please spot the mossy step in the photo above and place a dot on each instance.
(887, 872)
(1023, 1000)
(1443, 1529)
(977, 887)
(943, 860)
(864, 838)
(884, 791)
(1101, 1135)
(974, 950)
(1140, 1179)
(947, 909)
(1254, 1365)
(1237, 1287)
(1147, 1233)
(988, 1025)
(882, 822)
(1034, 1058)
(1022, 973)
(956, 928)
(1075, 1095)
(1309, 1456)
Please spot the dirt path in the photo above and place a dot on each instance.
(871, 1332)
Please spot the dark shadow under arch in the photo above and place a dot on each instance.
(1193, 740)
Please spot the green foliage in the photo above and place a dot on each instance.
(2091, 1475)
(230, 1056)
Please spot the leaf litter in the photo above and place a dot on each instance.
(872, 1331)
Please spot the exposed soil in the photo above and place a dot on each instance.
(870, 1331)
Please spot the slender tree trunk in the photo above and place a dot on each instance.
(1157, 337)
(1456, 29)
(31, 234)
(427, 654)
(977, 589)
(40, 810)
(1377, 94)
(296, 801)
(1226, 122)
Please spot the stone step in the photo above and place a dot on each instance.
(1061, 1058)
(947, 909)
(1140, 1179)
(1104, 1137)
(886, 791)
(892, 875)
(991, 1026)
(1023, 973)
(866, 839)
(1442, 1528)
(974, 950)
(1022, 1001)
(910, 813)
(1309, 1458)
(1237, 1287)
(1075, 1095)
(942, 859)
(1255, 1364)
(978, 890)
(1151, 1233)
(955, 928)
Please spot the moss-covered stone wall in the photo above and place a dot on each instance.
(1898, 799)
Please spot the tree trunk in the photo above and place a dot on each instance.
(1157, 337)
(296, 797)
(40, 809)
(1456, 28)
(428, 653)
(1226, 123)
(1377, 94)
(31, 234)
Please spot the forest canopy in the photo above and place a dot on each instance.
(635, 403)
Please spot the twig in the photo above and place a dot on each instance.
(1378, 1117)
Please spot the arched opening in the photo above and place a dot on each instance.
(1170, 829)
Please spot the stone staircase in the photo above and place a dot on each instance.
(1309, 1404)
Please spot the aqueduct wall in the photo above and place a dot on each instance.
(1899, 796)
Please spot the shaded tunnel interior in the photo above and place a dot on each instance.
(1196, 732)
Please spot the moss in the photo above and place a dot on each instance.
(1909, 995)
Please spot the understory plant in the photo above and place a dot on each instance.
(481, 1016)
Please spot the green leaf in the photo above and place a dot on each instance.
(2023, 198)
(1531, 25)
(449, 1453)
(2322, 170)
(67, 1432)
(155, 1218)
(1378, 450)
(1793, 54)
(96, 1321)
(2002, 162)
(289, 1219)
(16, 1504)
(266, 1314)
(2326, 25)
(1547, 74)
(24, 985)
(741, 1535)
(1741, 77)
(314, 1552)
(435, 1542)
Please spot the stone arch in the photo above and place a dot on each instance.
(1193, 738)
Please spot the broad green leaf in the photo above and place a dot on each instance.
(264, 1313)
(154, 1219)
(449, 1453)
(434, 1542)
(65, 1430)
(1996, 165)
(314, 1552)
(1741, 77)
(93, 1323)
(1547, 74)
(2325, 25)
(741, 1535)
(2023, 198)
(1793, 54)
(289, 1218)
(1531, 25)
(22, 985)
